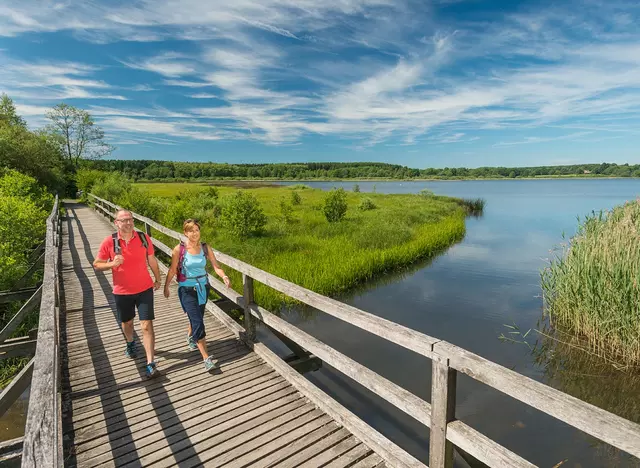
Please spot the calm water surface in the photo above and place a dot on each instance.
(466, 296)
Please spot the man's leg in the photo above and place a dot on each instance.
(148, 339)
(125, 308)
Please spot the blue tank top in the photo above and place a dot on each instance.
(193, 267)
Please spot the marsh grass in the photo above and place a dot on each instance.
(331, 258)
(592, 286)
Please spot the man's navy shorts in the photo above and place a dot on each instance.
(126, 305)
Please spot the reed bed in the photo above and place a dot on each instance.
(592, 287)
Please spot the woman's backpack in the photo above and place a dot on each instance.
(183, 248)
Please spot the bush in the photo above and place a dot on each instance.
(286, 210)
(426, 193)
(356, 188)
(296, 199)
(112, 187)
(335, 205)
(86, 179)
(243, 215)
(366, 204)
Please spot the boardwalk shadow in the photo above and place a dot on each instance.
(160, 403)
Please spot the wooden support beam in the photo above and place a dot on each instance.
(19, 295)
(24, 278)
(443, 409)
(18, 385)
(249, 321)
(16, 320)
(18, 348)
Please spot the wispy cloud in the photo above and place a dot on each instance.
(366, 71)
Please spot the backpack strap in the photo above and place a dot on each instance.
(143, 238)
(180, 274)
(205, 250)
(117, 250)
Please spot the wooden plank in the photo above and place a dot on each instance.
(394, 394)
(42, 441)
(331, 453)
(350, 457)
(370, 461)
(12, 296)
(601, 424)
(11, 445)
(189, 423)
(249, 322)
(297, 445)
(18, 348)
(29, 273)
(482, 448)
(17, 386)
(391, 331)
(383, 446)
(18, 318)
(443, 411)
(303, 455)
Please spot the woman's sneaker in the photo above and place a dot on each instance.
(130, 351)
(151, 370)
(209, 364)
(191, 343)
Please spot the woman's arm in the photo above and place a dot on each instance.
(216, 266)
(175, 256)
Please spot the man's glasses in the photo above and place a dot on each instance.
(125, 220)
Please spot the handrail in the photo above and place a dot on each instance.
(447, 360)
(43, 438)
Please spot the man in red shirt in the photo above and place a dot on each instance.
(127, 258)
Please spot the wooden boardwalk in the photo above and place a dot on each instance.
(243, 414)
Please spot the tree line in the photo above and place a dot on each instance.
(150, 170)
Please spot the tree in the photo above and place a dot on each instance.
(80, 137)
(8, 113)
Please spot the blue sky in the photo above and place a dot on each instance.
(415, 82)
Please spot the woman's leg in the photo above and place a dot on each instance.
(186, 303)
(202, 342)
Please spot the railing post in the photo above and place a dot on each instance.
(249, 321)
(443, 409)
(147, 229)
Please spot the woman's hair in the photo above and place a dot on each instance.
(188, 225)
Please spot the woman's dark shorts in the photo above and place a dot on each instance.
(126, 305)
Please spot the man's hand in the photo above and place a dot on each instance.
(117, 261)
(156, 285)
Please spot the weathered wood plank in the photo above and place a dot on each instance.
(387, 449)
(394, 394)
(17, 319)
(17, 348)
(612, 429)
(350, 457)
(42, 441)
(18, 385)
(331, 453)
(443, 409)
(12, 296)
(250, 324)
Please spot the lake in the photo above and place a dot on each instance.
(466, 296)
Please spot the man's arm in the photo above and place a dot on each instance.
(153, 263)
(104, 265)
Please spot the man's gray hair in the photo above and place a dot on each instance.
(121, 210)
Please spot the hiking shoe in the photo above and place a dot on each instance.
(209, 364)
(191, 343)
(152, 370)
(130, 351)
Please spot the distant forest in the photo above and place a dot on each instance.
(147, 170)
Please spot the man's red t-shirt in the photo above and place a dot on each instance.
(132, 277)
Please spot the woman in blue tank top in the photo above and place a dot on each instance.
(188, 262)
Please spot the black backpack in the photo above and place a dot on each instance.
(116, 245)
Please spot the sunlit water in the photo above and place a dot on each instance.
(466, 296)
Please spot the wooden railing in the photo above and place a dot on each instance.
(42, 444)
(447, 360)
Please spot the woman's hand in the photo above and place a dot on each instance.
(166, 291)
(227, 281)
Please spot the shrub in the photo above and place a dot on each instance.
(356, 188)
(16, 184)
(426, 193)
(366, 204)
(86, 179)
(243, 215)
(335, 205)
(286, 210)
(296, 199)
(112, 187)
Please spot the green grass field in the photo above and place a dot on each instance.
(328, 258)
